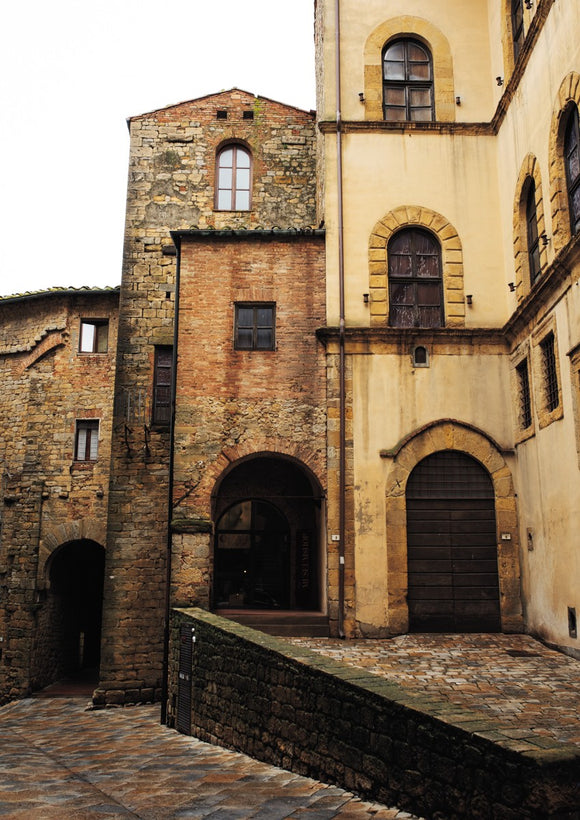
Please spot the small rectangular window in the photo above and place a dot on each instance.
(94, 336)
(550, 372)
(221, 114)
(254, 326)
(525, 397)
(162, 379)
(248, 115)
(87, 440)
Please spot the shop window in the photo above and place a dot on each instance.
(407, 82)
(572, 161)
(94, 336)
(415, 282)
(162, 379)
(233, 179)
(254, 326)
(87, 440)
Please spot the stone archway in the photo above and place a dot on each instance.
(68, 639)
(266, 555)
(450, 434)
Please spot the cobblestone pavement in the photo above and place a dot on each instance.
(59, 761)
(523, 694)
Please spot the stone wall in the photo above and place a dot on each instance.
(48, 498)
(171, 188)
(307, 713)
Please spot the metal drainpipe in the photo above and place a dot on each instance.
(166, 625)
(342, 365)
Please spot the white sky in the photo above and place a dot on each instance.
(72, 71)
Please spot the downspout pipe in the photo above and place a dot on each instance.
(342, 362)
(168, 554)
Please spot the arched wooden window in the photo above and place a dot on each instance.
(517, 15)
(415, 282)
(532, 233)
(233, 179)
(407, 82)
(572, 161)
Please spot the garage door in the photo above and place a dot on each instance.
(451, 542)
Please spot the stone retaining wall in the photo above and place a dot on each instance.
(312, 715)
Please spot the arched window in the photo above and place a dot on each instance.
(534, 262)
(415, 282)
(233, 178)
(572, 161)
(407, 82)
(517, 15)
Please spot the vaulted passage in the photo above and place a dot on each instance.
(266, 544)
(69, 634)
(451, 546)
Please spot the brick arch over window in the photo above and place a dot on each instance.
(530, 170)
(451, 257)
(568, 96)
(419, 29)
(451, 434)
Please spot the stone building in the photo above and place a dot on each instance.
(451, 183)
(57, 366)
(347, 386)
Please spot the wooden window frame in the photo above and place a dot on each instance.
(100, 337)
(571, 145)
(234, 190)
(414, 280)
(255, 327)
(408, 84)
(87, 450)
(161, 404)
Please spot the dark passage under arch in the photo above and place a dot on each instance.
(453, 581)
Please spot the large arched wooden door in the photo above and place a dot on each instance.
(453, 581)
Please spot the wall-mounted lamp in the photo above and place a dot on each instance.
(499, 80)
(545, 239)
(529, 4)
(457, 100)
(469, 298)
(366, 298)
(511, 286)
(361, 96)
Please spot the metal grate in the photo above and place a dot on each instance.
(449, 474)
(550, 372)
(525, 395)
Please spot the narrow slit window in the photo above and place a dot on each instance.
(162, 380)
(525, 397)
(517, 14)
(532, 234)
(552, 393)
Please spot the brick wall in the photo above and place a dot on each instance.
(296, 709)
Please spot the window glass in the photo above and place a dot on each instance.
(233, 179)
(94, 336)
(162, 379)
(415, 283)
(532, 233)
(572, 161)
(87, 441)
(407, 82)
(254, 327)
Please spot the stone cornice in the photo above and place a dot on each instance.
(393, 339)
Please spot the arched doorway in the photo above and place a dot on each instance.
(69, 637)
(266, 555)
(453, 581)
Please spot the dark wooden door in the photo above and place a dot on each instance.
(452, 550)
